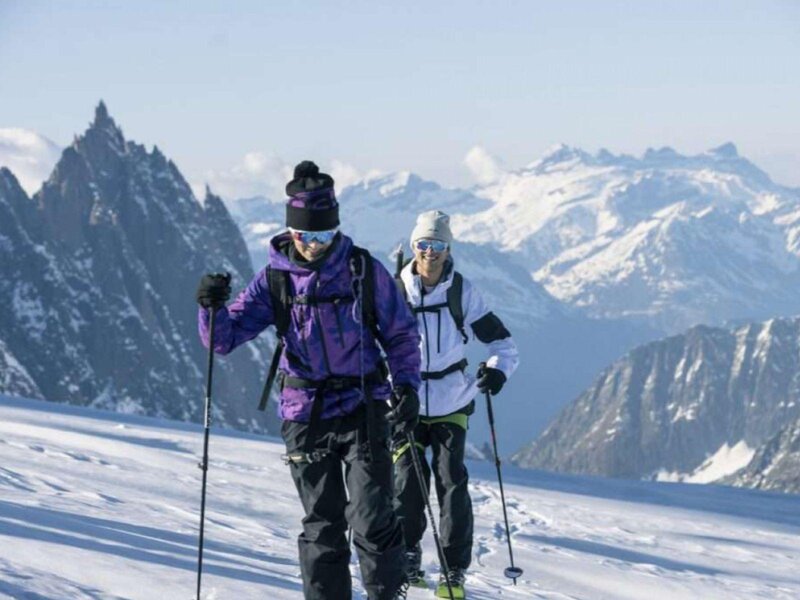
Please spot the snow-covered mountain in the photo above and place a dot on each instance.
(670, 239)
(102, 506)
(694, 407)
(29, 155)
(99, 271)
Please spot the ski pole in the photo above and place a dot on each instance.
(511, 572)
(398, 266)
(204, 465)
(412, 446)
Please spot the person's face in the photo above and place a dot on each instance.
(312, 244)
(430, 254)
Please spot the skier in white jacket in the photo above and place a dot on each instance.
(447, 320)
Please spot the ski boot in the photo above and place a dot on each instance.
(457, 577)
(414, 574)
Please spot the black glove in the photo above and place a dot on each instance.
(405, 409)
(214, 290)
(490, 380)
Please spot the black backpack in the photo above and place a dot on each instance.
(282, 301)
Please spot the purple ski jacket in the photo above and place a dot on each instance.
(323, 339)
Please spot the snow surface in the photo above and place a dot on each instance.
(97, 505)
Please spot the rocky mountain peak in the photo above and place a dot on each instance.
(562, 153)
(673, 409)
(726, 150)
(97, 280)
(102, 135)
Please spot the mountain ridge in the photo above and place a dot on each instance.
(100, 267)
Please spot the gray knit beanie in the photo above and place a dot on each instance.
(434, 225)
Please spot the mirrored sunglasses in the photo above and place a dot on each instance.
(307, 237)
(435, 245)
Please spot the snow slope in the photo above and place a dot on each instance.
(97, 505)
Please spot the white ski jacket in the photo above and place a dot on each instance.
(442, 344)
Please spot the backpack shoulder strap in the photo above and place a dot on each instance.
(454, 294)
(400, 264)
(278, 284)
(361, 266)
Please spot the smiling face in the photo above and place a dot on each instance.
(430, 256)
(312, 244)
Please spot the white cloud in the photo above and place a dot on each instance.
(484, 167)
(266, 174)
(30, 156)
(257, 174)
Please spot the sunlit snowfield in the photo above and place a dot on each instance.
(99, 505)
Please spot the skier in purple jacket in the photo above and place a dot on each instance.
(334, 387)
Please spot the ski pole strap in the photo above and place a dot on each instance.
(458, 366)
(273, 373)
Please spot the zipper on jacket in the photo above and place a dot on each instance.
(301, 321)
(321, 329)
(338, 322)
(427, 349)
(439, 331)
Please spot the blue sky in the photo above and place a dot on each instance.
(407, 85)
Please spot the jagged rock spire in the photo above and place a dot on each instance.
(101, 112)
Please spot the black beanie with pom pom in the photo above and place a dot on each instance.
(312, 203)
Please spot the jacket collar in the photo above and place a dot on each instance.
(413, 282)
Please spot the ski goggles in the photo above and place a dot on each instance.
(424, 245)
(307, 237)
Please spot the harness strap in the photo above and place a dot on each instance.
(333, 383)
(458, 366)
(429, 308)
(273, 373)
(457, 418)
(402, 449)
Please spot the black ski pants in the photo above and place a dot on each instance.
(447, 439)
(324, 485)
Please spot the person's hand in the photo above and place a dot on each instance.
(214, 290)
(405, 409)
(490, 380)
